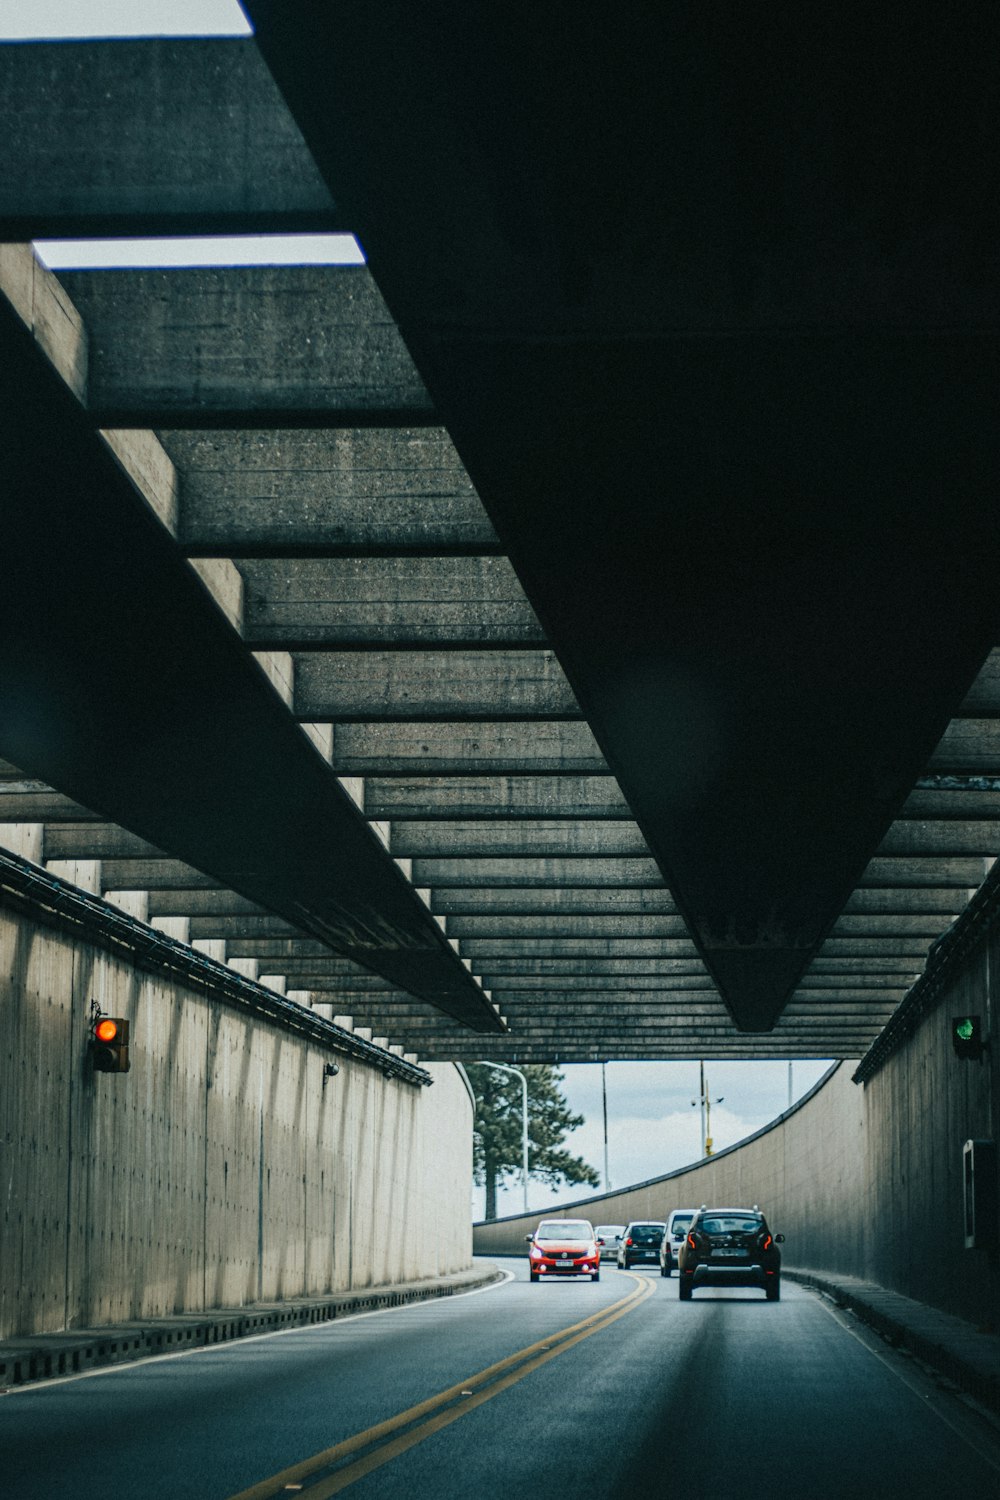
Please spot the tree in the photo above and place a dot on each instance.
(497, 1130)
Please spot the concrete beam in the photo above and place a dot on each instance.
(150, 137)
(908, 900)
(915, 871)
(96, 841)
(952, 802)
(30, 801)
(872, 985)
(565, 927)
(401, 685)
(556, 902)
(152, 875)
(513, 838)
(947, 838)
(315, 603)
(506, 986)
(203, 903)
(636, 873)
(887, 947)
(523, 966)
(890, 968)
(244, 346)
(321, 980)
(239, 927)
(457, 747)
(968, 747)
(494, 797)
(306, 492)
(282, 948)
(889, 924)
(481, 949)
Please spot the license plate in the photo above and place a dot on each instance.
(564, 1263)
(731, 1254)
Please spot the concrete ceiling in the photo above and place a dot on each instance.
(622, 540)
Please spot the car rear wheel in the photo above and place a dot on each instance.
(773, 1290)
(664, 1270)
(684, 1290)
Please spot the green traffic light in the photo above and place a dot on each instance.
(965, 1029)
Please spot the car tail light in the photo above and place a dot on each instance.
(767, 1242)
(692, 1242)
(629, 1240)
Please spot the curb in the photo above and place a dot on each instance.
(44, 1356)
(955, 1349)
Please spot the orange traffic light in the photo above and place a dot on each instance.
(109, 1047)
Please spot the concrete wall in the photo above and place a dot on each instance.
(864, 1180)
(219, 1171)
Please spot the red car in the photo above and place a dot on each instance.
(564, 1247)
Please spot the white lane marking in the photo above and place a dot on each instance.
(931, 1400)
(232, 1345)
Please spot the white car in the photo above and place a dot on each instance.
(608, 1239)
(678, 1224)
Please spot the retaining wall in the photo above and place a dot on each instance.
(218, 1172)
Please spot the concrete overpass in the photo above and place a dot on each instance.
(660, 720)
(572, 636)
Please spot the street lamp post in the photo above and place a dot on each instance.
(604, 1098)
(706, 1113)
(504, 1068)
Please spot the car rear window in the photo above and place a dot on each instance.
(647, 1234)
(730, 1224)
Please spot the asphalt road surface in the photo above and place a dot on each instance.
(566, 1391)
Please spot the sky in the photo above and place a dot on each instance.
(35, 19)
(653, 1127)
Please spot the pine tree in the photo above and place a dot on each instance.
(497, 1130)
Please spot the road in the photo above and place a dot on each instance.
(572, 1389)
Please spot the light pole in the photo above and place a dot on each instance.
(604, 1098)
(706, 1112)
(504, 1068)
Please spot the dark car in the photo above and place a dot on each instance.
(730, 1247)
(640, 1244)
(564, 1247)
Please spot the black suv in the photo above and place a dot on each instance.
(730, 1247)
(640, 1243)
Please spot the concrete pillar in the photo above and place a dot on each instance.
(135, 903)
(175, 927)
(23, 839)
(211, 947)
(85, 873)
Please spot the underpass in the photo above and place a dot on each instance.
(569, 632)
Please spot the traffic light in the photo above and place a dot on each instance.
(109, 1046)
(967, 1036)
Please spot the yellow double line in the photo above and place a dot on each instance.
(385, 1441)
